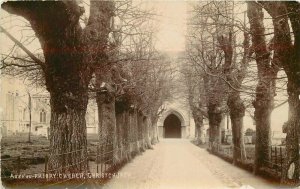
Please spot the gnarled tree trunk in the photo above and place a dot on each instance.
(234, 101)
(66, 79)
(215, 117)
(148, 133)
(154, 137)
(290, 174)
(265, 89)
(67, 72)
(135, 132)
(106, 102)
(68, 144)
(237, 113)
(140, 131)
(107, 131)
(263, 105)
(127, 135)
(120, 117)
(287, 54)
(198, 119)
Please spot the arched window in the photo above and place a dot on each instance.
(43, 116)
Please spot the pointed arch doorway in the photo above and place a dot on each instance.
(172, 127)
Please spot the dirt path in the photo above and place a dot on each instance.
(177, 163)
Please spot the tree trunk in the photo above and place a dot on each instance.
(154, 137)
(151, 131)
(68, 142)
(265, 89)
(215, 118)
(66, 78)
(289, 58)
(123, 130)
(130, 133)
(141, 132)
(237, 113)
(199, 135)
(148, 133)
(135, 132)
(263, 108)
(292, 69)
(234, 101)
(196, 132)
(107, 126)
(290, 172)
(67, 72)
(127, 135)
(120, 118)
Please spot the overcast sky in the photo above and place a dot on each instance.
(171, 21)
(171, 35)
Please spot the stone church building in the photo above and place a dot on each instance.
(20, 100)
(176, 121)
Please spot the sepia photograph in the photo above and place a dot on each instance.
(149, 94)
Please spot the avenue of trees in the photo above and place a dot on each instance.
(238, 54)
(109, 56)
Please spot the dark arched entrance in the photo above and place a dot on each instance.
(172, 127)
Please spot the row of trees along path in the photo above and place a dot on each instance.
(119, 67)
(115, 64)
(222, 78)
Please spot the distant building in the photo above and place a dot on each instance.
(40, 113)
(14, 106)
(176, 121)
(16, 109)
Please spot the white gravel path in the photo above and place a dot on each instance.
(177, 163)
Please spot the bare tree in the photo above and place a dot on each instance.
(286, 52)
(266, 87)
(196, 98)
(205, 52)
(67, 71)
(235, 74)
